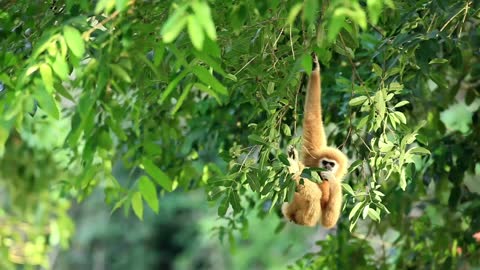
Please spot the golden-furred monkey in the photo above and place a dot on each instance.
(316, 202)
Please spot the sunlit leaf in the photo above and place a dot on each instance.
(208, 79)
(401, 103)
(137, 204)
(174, 25)
(157, 174)
(60, 67)
(47, 102)
(202, 10)
(74, 41)
(357, 101)
(195, 32)
(373, 215)
(47, 76)
(149, 192)
(121, 73)
(355, 210)
(419, 151)
(294, 11)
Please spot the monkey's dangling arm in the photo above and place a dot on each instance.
(313, 133)
(331, 211)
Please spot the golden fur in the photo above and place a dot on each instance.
(316, 202)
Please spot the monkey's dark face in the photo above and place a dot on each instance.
(328, 164)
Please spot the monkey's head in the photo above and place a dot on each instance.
(333, 160)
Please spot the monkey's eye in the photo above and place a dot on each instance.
(324, 162)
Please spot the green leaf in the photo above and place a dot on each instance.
(348, 189)
(403, 180)
(120, 72)
(253, 182)
(310, 11)
(374, 9)
(380, 104)
(120, 5)
(315, 177)
(197, 36)
(149, 192)
(283, 158)
(202, 12)
(291, 190)
(157, 174)
(171, 86)
(182, 98)
(286, 130)
(47, 77)
(307, 63)
(209, 91)
(401, 103)
(336, 23)
(400, 116)
(137, 205)
(223, 207)
(377, 69)
(355, 210)
(207, 78)
(419, 151)
(355, 165)
(457, 117)
(294, 13)
(373, 215)
(362, 122)
(257, 139)
(273, 202)
(357, 101)
(60, 67)
(268, 187)
(74, 41)
(235, 201)
(365, 211)
(46, 101)
(104, 5)
(438, 61)
(395, 86)
(174, 25)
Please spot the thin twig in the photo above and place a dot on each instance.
(291, 43)
(295, 109)
(464, 17)
(451, 19)
(246, 157)
(87, 34)
(245, 65)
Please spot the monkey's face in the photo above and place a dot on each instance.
(329, 165)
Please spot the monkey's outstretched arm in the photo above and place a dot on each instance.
(314, 137)
(331, 209)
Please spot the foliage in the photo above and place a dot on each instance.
(207, 94)
(179, 238)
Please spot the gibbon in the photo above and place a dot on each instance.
(314, 202)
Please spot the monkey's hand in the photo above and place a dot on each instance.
(315, 61)
(327, 176)
(292, 152)
(294, 167)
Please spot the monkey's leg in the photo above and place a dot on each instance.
(331, 210)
